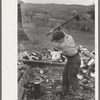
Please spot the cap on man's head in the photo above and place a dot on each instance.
(57, 35)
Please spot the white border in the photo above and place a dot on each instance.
(96, 50)
(9, 49)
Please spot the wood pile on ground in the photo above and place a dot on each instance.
(50, 77)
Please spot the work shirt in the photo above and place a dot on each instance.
(67, 46)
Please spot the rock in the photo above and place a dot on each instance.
(84, 81)
(47, 80)
(92, 74)
(53, 80)
(82, 65)
(84, 71)
(79, 76)
(58, 87)
(41, 71)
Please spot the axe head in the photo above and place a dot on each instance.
(75, 15)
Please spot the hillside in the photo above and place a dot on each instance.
(57, 7)
(60, 9)
(38, 38)
(60, 12)
(37, 33)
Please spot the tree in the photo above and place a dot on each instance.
(91, 12)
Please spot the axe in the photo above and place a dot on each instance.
(74, 16)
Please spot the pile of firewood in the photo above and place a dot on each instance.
(50, 78)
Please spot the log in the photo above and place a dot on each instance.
(25, 78)
(23, 81)
(32, 63)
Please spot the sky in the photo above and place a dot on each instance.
(81, 2)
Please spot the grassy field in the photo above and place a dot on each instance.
(39, 40)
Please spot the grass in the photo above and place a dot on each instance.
(39, 40)
(86, 39)
(22, 35)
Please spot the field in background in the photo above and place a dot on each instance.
(39, 40)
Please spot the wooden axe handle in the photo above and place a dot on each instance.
(72, 18)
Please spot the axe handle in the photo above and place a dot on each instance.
(72, 18)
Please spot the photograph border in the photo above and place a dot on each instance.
(0, 49)
(6, 85)
(98, 49)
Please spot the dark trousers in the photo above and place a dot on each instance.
(70, 73)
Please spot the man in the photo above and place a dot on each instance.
(66, 44)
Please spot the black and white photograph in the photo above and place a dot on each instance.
(56, 50)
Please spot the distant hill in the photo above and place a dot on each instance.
(37, 34)
(54, 9)
(57, 7)
(58, 11)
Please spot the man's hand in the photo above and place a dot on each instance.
(51, 31)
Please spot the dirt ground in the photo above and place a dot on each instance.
(51, 78)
